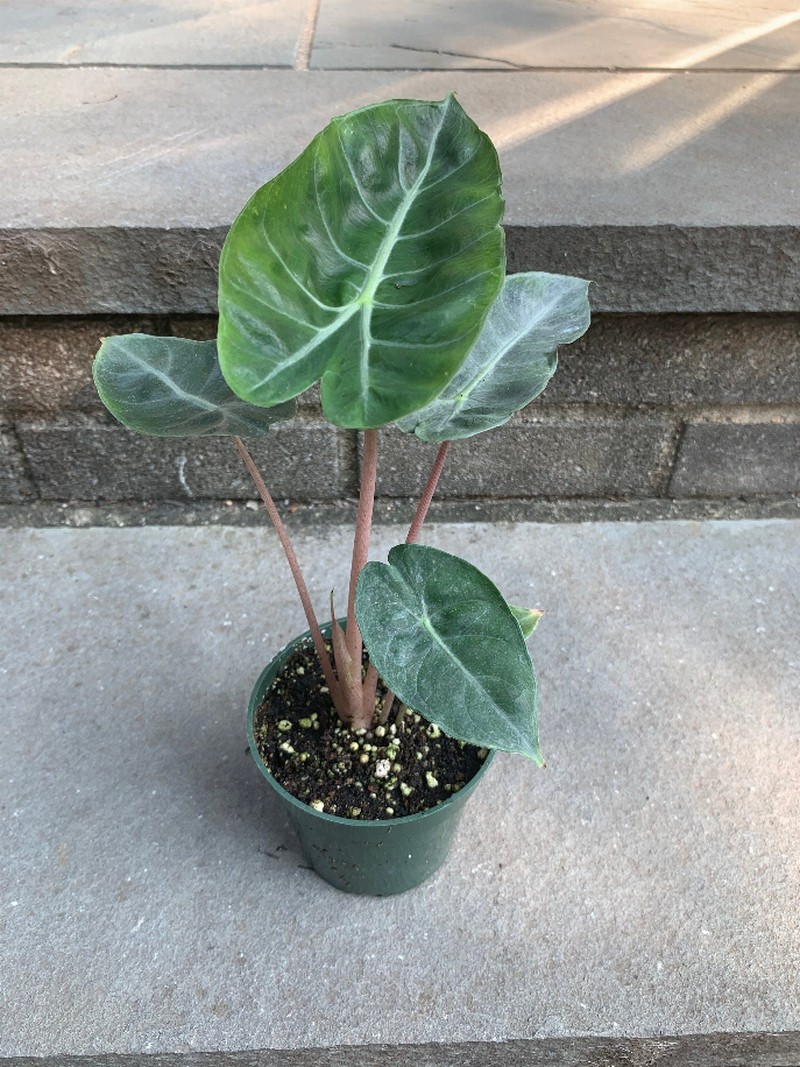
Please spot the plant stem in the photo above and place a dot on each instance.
(294, 567)
(348, 673)
(411, 538)
(425, 500)
(386, 707)
(366, 503)
(370, 689)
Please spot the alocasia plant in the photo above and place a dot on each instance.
(375, 264)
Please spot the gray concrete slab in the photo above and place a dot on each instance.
(152, 898)
(421, 34)
(674, 192)
(177, 148)
(653, 151)
(152, 32)
(557, 34)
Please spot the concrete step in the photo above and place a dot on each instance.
(553, 34)
(656, 156)
(673, 191)
(638, 892)
(558, 34)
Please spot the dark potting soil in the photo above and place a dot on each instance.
(383, 773)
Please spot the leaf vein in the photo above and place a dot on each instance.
(356, 182)
(328, 231)
(197, 401)
(294, 277)
(438, 295)
(423, 233)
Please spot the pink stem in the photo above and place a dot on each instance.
(425, 500)
(370, 689)
(366, 503)
(294, 567)
(411, 538)
(349, 675)
(386, 707)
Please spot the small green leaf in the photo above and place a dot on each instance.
(528, 619)
(172, 387)
(513, 358)
(371, 262)
(444, 640)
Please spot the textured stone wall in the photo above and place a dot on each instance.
(645, 407)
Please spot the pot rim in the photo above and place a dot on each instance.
(402, 820)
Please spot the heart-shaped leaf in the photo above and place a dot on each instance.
(172, 387)
(371, 262)
(513, 358)
(444, 640)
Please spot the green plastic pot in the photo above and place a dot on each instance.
(377, 857)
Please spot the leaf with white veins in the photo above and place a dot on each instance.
(371, 262)
(172, 387)
(444, 640)
(512, 360)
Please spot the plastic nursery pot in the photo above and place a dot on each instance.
(377, 857)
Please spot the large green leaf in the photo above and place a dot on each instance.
(513, 358)
(371, 262)
(445, 641)
(172, 387)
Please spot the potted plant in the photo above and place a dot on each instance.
(374, 264)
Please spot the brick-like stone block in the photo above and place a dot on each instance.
(155, 270)
(45, 365)
(558, 454)
(681, 359)
(198, 327)
(80, 459)
(738, 459)
(15, 486)
(664, 268)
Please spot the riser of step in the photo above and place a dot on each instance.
(672, 407)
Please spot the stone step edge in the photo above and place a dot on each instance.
(691, 1050)
(139, 514)
(650, 269)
